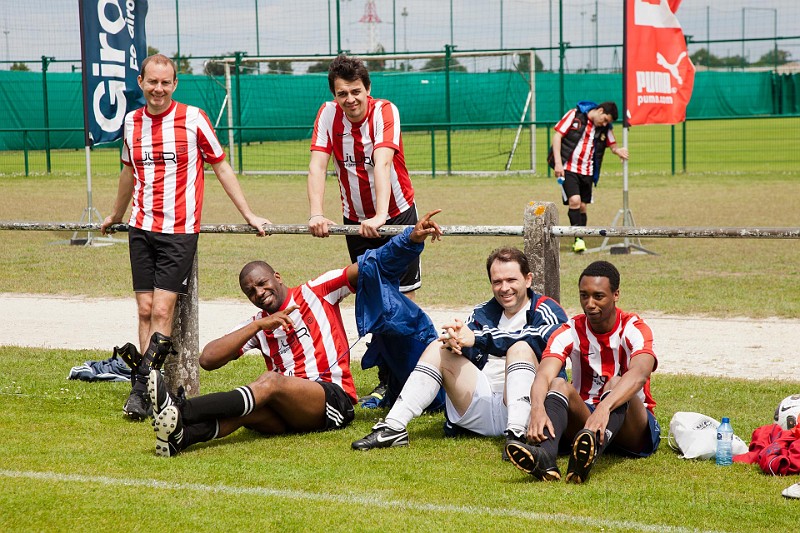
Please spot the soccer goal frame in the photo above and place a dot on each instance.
(527, 117)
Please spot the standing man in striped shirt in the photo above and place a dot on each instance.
(609, 404)
(579, 141)
(165, 146)
(363, 135)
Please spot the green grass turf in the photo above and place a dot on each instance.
(70, 462)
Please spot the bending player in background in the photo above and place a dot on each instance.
(579, 142)
(165, 146)
(608, 405)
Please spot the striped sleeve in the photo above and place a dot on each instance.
(321, 136)
(207, 142)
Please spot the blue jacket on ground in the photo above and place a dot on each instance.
(400, 329)
(544, 316)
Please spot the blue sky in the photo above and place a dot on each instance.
(34, 28)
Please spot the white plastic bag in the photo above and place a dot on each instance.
(694, 436)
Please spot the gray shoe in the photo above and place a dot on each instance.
(137, 406)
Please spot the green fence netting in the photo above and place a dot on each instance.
(283, 107)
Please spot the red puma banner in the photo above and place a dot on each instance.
(659, 75)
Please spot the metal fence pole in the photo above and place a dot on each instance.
(45, 62)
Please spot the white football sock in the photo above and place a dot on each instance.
(519, 377)
(419, 391)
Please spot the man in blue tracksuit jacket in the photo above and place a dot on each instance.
(486, 365)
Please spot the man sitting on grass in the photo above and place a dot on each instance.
(308, 385)
(608, 405)
(486, 366)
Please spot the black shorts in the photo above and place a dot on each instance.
(161, 260)
(339, 410)
(357, 245)
(576, 184)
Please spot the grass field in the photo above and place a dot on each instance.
(70, 462)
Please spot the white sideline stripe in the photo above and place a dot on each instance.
(594, 523)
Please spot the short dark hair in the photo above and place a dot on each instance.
(349, 69)
(508, 254)
(602, 269)
(158, 59)
(252, 265)
(611, 109)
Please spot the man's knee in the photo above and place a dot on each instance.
(521, 351)
(560, 385)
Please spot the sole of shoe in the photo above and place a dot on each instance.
(584, 452)
(164, 426)
(527, 462)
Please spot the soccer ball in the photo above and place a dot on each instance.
(788, 412)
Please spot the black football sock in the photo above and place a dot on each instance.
(199, 432)
(583, 219)
(231, 404)
(574, 217)
(556, 406)
(615, 420)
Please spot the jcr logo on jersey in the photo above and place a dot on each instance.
(151, 158)
(351, 161)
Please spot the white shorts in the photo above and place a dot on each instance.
(486, 415)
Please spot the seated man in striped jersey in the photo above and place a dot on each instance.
(299, 330)
(608, 405)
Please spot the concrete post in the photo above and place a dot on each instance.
(542, 248)
(183, 369)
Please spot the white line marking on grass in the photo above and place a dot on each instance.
(594, 523)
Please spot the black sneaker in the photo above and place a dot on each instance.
(584, 453)
(382, 436)
(169, 432)
(374, 400)
(137, 406)
(160, 397)
(533, 460)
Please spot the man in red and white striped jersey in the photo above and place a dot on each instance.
(165, 146)
(363, 136)
(299, 331)
(579, 140)
(609, 401)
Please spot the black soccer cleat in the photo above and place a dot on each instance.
(533, 460)
(169, 432)
(510, 437)
(382, 436)
(583, 456)
(137, 406)
(160, 397)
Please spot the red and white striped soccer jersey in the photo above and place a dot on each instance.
(315, 347)
(582, 159)
(598, 358)
(167, 153)
(352, 145)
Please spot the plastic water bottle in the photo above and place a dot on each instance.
(725, 443)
